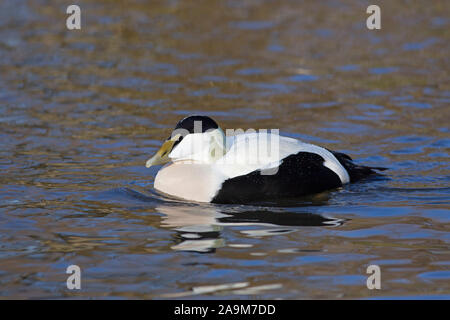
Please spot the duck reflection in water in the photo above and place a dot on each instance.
(199, 227)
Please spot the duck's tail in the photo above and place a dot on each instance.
(356, 172)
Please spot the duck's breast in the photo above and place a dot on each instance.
(189, 181)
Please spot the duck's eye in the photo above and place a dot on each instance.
(178, 141)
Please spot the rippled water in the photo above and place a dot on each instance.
(81, 111)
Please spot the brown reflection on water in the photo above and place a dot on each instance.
(82, 110)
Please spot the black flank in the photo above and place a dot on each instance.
(299, 174)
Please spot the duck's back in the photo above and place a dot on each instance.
(258, 151)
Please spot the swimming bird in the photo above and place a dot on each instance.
(204, 165)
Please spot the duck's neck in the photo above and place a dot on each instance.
(206, 147)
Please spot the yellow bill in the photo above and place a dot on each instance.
(162, 155)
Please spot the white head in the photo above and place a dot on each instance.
(195, 138)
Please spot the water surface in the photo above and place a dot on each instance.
(81, 111)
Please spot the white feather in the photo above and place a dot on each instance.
(244, 154)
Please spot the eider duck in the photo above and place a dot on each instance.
(204, 165)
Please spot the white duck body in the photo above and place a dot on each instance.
(249, 167)
(194, 175)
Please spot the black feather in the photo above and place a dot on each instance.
(298, 174)
(356, 172)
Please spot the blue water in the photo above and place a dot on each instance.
(81, 112)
